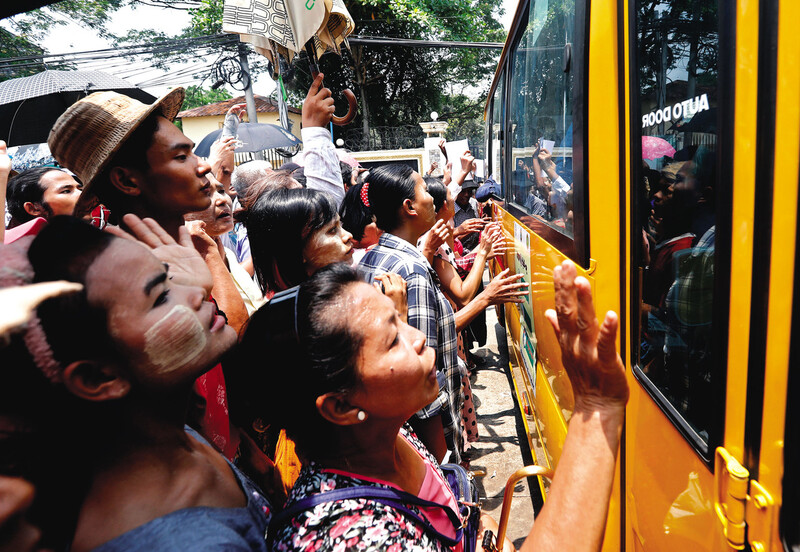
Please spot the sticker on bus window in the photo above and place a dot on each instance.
(522, 264)
(681, 110)
(527, 347)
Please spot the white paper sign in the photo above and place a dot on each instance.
(480, 168)
(455, 150)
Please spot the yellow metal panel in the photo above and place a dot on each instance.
(603, 190)
(784, 220)
(604, 172)
(744, 166)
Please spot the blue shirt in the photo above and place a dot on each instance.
(203, 527)
(430, 312)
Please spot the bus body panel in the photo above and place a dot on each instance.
(670, 491)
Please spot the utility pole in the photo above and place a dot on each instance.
(249, 98)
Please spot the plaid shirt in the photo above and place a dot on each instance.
(431, 313)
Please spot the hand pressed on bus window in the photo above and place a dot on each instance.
(588, 350)
(506, 289)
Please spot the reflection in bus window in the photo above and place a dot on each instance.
(541, 115)
(496, 132)
(676, 198)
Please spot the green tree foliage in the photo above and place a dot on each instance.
(398, 85)
(395, 85)
(24, 30)
(13, 46)
(197, 96)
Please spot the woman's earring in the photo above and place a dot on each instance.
(361, 415)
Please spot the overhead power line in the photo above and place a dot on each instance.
(412, 43)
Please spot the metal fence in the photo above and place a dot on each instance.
(398, 137)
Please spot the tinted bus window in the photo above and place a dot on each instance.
(541, 115)
(676, 203)
(496, 131)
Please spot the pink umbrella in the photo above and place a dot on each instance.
(654, 147)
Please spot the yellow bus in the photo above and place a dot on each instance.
(656, 143)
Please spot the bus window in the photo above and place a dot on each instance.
(675, 208)
(495, 132)
(541, 115)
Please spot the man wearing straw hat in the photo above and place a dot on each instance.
(131, 158)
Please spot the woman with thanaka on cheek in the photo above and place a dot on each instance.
(119, 384)
(355, 380)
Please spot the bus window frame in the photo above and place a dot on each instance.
(790, 509)
(575, 247)
(489, 143)
(724, 222)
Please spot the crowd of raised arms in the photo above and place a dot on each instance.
(238, 342)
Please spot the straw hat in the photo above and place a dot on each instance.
(86, 137)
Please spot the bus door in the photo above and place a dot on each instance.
(772, 421)
(690, 274)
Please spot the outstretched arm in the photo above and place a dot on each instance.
(574, 516)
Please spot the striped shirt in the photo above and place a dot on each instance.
(430, 312)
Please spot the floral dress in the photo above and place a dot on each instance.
(353, 524)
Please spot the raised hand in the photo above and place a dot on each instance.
(434, 239)
(467, 162)
(588, 350)
(238, 110)
(318, 106)
(493, 240)
(469, 226)
(204, 243)
(506, 289)
(186, 266)
(393, 286)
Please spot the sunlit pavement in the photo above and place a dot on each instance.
(497, 451)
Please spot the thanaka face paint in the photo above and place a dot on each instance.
(175, 340)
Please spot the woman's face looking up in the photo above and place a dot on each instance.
(330, 244)
(169, 334)
(396, 371)
(219, 215)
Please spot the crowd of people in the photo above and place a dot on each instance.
(239, 340)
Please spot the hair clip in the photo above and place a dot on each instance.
(364, 192)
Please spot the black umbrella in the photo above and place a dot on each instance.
(254, 137)
(30, 105)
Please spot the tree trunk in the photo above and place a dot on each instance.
(361, 80)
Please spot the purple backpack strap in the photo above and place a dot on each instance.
(395, 498)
